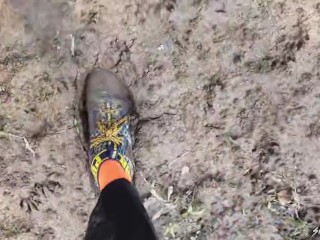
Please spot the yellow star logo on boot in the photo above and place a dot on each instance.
(109, 132)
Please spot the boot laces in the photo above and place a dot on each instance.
(109, 132)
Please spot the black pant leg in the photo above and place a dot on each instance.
(120, 215)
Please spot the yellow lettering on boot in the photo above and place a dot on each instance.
(95, 164)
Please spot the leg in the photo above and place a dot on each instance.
(120, 215)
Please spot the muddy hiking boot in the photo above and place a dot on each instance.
(109, 104)
(119, 213)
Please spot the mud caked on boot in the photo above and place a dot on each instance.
(109, 104)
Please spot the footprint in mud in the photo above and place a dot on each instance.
(37, 194)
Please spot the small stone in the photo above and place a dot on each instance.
(220, 7)
(234, 132)
(284, 197)
(36, 129)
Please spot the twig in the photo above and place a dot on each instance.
(72, 45)
(178, 157)
(61, 131)
(152, 190)
(27, 144)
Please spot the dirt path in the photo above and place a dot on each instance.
(228, 114)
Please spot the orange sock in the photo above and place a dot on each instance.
(109, 171)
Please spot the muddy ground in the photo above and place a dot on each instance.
(227, 125)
